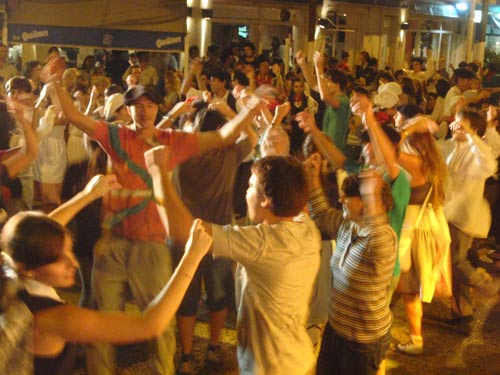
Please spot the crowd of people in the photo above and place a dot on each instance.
(231, 182)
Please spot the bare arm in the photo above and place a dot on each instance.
(174, 214)
(73, 323)
(393, 158)
(178, 110)
(382, 146)
(328, 96)
(322, 141)
(308, 75)
(93, 97)
(230, 132)
(22, 159)
(52, 72)
(95, 189)
(188, 81)
(72, 114)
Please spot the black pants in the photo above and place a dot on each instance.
(339, 356)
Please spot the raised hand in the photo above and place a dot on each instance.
(312, 169)
(361, 105)
(100, 184)
(463, 125)
(207, 96)
(157, 157)
(422, 124)
(306, 122)
(199, 241)
(300, 58)
(281, 111)
(53, 70)
(319, 59)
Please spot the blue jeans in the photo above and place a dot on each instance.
(339, 356)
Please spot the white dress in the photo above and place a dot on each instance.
(51, 163)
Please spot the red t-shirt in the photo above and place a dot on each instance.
(140, 223)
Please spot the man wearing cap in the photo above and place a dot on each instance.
(131, 257)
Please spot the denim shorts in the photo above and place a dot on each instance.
(339, 356)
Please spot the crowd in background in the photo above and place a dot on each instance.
(399, 167)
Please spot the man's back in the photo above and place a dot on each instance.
(274, 283)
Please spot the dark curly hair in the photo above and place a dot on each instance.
(282, 180)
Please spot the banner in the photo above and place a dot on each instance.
(95, 37)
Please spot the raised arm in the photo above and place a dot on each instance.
(92, 101)
(308, 75)
(22, 158)
(52, 73)
(328, 95)
(96, 188)
(322, 141)
(382, 146)
(174, 214)
(230, 132)
(73, 323)
(177, 110)
(327, 219)
(193, 73)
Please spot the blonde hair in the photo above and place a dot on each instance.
(433, 165)
(69, 78)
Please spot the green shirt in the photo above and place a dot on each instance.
(336, 122)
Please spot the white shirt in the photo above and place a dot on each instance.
(469, 164)
(492, 138)
(276, 274)
(450, 100)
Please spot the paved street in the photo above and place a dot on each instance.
(447, 351)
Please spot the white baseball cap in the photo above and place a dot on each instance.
(113, 103)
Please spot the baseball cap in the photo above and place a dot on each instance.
(136, 91)
(388, 95)
(113, 103)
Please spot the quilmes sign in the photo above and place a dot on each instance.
(95, 37)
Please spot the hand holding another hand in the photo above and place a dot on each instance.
(199, 241)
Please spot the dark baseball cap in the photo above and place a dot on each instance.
(135, 92)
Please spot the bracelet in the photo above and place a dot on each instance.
(167, 117)
(405, 132)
